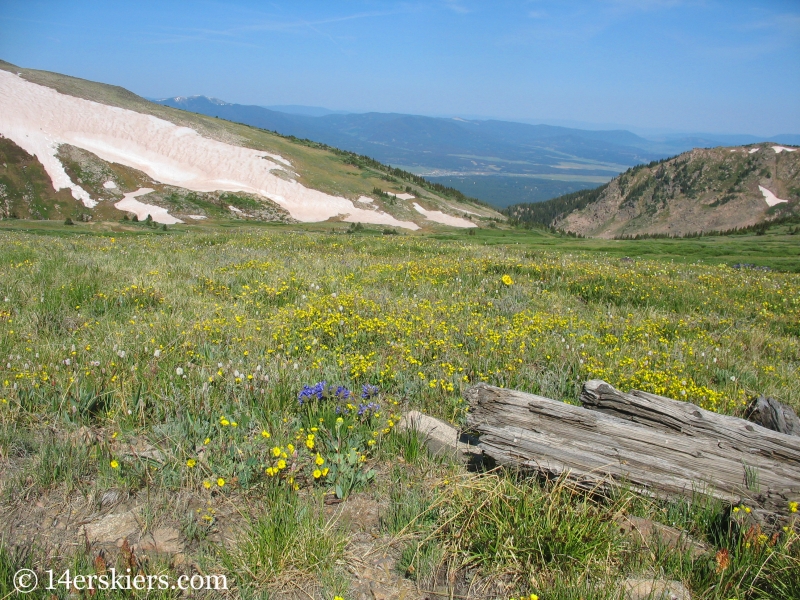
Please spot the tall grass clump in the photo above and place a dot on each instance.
(290, 536)
(528, 535)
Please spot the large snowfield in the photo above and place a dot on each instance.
(39, 119)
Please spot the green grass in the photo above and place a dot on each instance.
(290, 538)
(777, 250)
(181, 355)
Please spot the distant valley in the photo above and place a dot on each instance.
(499, 162)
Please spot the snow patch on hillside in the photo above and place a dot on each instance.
(39, 119)
(771, 198)
(438, 216)
(779, 149)
(141, 210)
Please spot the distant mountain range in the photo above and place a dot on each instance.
(500, 162)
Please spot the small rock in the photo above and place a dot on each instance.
(647, 531)
(178, 560)
(112, 528)
(649, 589)
(140, 449)
(164, 540)
(439, 437)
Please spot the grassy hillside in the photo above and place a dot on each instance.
(700, 191)
(315, 165)
(157, 374)
(25, 188)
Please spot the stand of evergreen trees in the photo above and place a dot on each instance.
(758, 229)
(545, 213)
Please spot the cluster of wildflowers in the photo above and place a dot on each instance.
(369, 391)
(326, 442)
(312, 392)
(368, 409)
(343, 398)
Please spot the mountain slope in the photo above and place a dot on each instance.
(119, 145)
(703, 190)
(487, 159)
(440, 144)
(497, 161)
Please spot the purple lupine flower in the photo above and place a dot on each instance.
(315, 392)
(368, 391)
(364, 408)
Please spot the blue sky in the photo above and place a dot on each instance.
(711, 66)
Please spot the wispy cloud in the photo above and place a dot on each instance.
(457, 6)
(238, 34)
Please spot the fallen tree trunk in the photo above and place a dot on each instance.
(597, 450)
(688, 419)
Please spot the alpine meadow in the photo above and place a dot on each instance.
(475, 341)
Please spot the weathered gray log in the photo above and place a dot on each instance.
(774, 415)
(688, 419)
(595, 450)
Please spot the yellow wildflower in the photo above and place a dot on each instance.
(220, 482)
(191, 463)
(114, 464)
